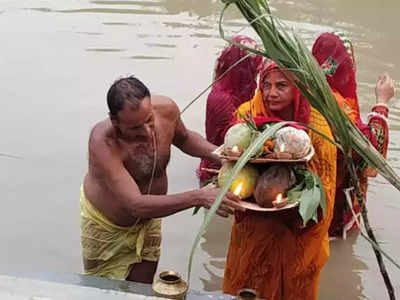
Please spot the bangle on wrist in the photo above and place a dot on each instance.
(380, 104)
(381, 108)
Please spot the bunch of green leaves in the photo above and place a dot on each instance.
(310, 192)
(248, 120)
(289, 52)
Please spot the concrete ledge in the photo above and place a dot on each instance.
(51, 286)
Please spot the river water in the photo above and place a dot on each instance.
(57, 60)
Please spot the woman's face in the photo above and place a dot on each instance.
(277, 91)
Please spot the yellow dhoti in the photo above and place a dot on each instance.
(109, 250)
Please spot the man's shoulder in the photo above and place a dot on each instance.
(164, 106)
(101, 138)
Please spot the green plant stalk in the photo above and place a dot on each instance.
(214, 82)
(371, 236)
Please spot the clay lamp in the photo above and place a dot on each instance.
(234, 151)
(281, 154)
(279, 201)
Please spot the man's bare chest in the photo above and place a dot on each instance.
(141, 160)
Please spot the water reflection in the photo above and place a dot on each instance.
(215, 243)
(207, 7)
(346, 267)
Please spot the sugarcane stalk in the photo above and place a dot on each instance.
(367, 226)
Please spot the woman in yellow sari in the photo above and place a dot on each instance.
(273, 253)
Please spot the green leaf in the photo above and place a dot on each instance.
(323, 196)
(315, 216)
(309, 179)
(308, 204)
(294, 194)
(311, 198)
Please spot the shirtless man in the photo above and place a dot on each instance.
(125, 189)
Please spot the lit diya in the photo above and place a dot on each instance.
(233, 152)
(280, 154)
(238, 189)
(274, 181)
(279, 201)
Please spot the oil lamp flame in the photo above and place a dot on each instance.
(279, 201)
(238, 189)
(235, 149)
(282, 148)
(278, 198)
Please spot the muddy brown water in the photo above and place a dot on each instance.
(57, 60)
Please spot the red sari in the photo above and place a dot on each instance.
(337, 60)
(236, 87)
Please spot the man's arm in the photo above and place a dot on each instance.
(128, 196)
(193, 143)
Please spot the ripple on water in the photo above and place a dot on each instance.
(147, 57)
(103, 10)
(137, 3)
(104, 50)
(160, 45)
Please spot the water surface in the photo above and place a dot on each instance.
(57, 60)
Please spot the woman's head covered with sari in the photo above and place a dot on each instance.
(240, 81)
(234, 88)
(277, 98)
(334, 52)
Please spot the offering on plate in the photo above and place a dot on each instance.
(287, 144)
(246, 179)
(293, 141)
(276, 180)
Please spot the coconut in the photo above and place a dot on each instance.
(277, 179)
(294, 141)
(238, 138)
(247, 177)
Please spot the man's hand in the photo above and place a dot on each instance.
(384, 89)
(228, 205)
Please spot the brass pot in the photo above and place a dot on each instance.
(169, 284)
(247, 294)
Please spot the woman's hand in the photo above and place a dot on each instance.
(384, 89)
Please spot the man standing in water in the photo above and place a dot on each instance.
(125, 190)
